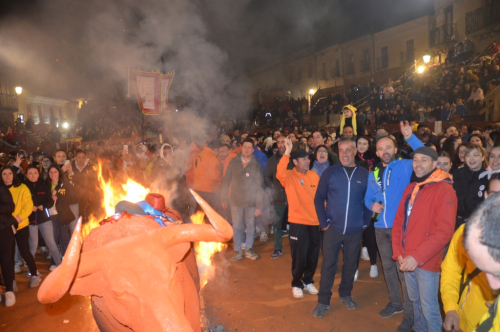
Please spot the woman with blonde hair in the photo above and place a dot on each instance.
(468, 184)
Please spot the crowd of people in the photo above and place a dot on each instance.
(408, 198)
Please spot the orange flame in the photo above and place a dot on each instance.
(205, 252)
(130, 191)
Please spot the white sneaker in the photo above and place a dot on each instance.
(10, 299)
(49, 256)
(297, 292)
(29, 274)
(356, 275)
(17, 268)
(374, 271)
(311, 289)
(364, 254)
(263, 237)
(43, 250)
(52, 268)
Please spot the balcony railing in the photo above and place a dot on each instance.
(364, 65)
(349, 69)
(482, 17)
(407, 56)
(8, 101)
(443, 35)
(382, 62)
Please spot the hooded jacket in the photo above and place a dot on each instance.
(425, 221)
(394, 180)
(470, 305)
(344, 196)
(24, 204)
(41, 194)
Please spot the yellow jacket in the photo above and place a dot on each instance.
(496, 320)
(24, 204)
(472, 302)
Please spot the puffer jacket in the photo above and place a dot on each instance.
(469, 189)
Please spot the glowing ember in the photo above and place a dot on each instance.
(130, 191)
(205, 252)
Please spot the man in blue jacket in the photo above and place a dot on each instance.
(386, 184)
(343, 187)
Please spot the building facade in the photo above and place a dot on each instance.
(384, 55)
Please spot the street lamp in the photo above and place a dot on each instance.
(19, 90)
(311, 91)
(421, 69)
(65, 125)
(427, 57)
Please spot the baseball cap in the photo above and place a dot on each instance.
(426, 151)
(300, 153)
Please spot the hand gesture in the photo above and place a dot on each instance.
(288, 146)
(406, 129)
(257, 212)
(18, 159)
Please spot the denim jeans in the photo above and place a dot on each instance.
(392, 273)
(47, 230)
(423, 289)
(243, 221)
(279, 212)
(61, 234)
(72, 225)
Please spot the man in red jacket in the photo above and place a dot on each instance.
(424, 225)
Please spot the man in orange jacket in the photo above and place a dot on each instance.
(305, 236)
(208, 175)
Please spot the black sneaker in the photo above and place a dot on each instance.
(405, 326)
(349, 302)
(284, 233)
(391, 309)
(320, 309)
(277, 253)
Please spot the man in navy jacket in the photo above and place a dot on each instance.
(343, 187)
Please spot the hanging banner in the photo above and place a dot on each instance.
(166, 80)
(148, 91)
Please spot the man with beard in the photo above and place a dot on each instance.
(423, 227)
(278, 196)
(386, 184)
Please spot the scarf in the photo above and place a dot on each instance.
(354, 125)
(320, 167)
(488, 173)
(436, 175)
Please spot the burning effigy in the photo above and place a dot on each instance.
(139, 265)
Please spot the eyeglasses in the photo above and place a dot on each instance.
(322, 152)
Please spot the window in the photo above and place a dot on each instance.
(350, 64)
(365, 62)
(385, 57)
(336, 69)
(21, 116)
(410, 51)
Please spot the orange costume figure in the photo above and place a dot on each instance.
(128, 292)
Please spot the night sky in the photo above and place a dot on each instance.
(248, 33)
